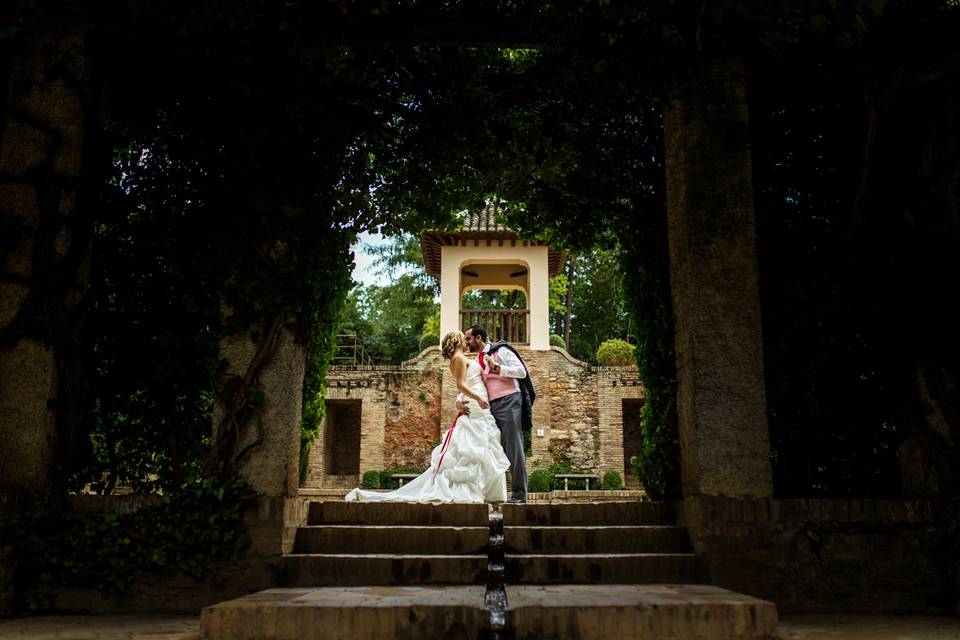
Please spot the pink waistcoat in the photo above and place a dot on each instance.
(497, 386)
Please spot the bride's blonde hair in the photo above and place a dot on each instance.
(449, 344)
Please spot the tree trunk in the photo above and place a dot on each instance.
(46, 118)
(568, 303)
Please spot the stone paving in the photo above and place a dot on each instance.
(116, 627)
(868, 627)
(792, 627)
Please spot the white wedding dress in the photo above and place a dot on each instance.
(469, 465)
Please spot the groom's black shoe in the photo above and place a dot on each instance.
(517, 501)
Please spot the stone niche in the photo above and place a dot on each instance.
(401, 412)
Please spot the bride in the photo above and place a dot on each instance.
(469, 465)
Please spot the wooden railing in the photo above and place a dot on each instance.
(500, 324)
(350, 352)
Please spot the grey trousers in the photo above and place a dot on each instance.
(507, 411)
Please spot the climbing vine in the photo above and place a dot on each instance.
(190, 531)
(645, 268)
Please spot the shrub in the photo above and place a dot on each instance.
(612, 481)
(371, 480)
(428, 340)
(386, 482)
(539, 481)
(557, 341)
(616, 353)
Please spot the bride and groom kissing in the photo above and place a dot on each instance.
(494, 405)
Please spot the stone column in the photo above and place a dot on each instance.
(272, 468)
(721, 399)
(538, 299)
(44, 254)
(451, 292)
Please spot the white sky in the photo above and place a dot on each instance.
(362, 271)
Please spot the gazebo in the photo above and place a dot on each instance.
(484, 254)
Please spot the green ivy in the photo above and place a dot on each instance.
(319, 328)
(187, 531)
(647, 292)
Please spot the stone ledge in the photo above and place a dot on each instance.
(706, 510)
(657, 612)
(575, 495)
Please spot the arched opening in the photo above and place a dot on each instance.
(495, 296)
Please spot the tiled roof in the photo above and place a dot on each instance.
(478, 225)
(484, 220)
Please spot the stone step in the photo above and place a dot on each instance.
(376, 569)
(606, 568)
(652, 612)
(590, 513)
(406, 540)
(356, 613)
(398, 513)
(600, 612)
(597, 539)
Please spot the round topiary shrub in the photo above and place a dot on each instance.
(429, 340)
(612, 481)
(557, 341)
(539, 481)
(616, 353)
(371, 480)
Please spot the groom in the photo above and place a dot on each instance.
(510, 403)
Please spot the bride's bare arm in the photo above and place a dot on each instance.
(459, 368)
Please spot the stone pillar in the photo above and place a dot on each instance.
(538, 299)
(43, 269)
(451, 293)
(272, 468)
(721, 399)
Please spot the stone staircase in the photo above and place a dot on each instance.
(604, 542)
(376, 544)
(582, 570)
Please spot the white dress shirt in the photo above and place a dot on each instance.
(510, 365)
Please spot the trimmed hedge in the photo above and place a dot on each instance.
(539, 481)
(371, 480)
(612, 481)
(557, 341)
(616, 353)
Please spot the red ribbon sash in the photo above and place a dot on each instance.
(443, 449)
(446, 441)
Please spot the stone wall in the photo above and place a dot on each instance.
(271, 522)
(405, 409)
(413, 417)
(399, 416)
(832, 555)
(45, 113)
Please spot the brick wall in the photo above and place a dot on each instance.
(406, 408)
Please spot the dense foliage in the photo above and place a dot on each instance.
(853, 161)
(612, 481)
(616, 353)
(597, 310)
(190, 531)
(244, 145)
(391, 319)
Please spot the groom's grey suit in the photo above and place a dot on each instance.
(508, 413)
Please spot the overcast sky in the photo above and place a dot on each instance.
(361, 271)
